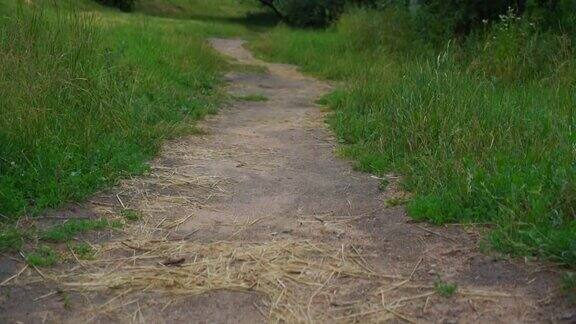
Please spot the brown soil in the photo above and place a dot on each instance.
(248, 199)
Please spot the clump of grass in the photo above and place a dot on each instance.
(43, 256)
(253, 97)
(67, 231)
(65, 299)
(445, 289)
(11, 239)
(83, 251)
(131, 214)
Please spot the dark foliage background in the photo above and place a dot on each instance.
(124, 5)
(449, 17)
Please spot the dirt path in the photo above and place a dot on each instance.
(258, 220)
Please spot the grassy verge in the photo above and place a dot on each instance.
(88, 94)
(43, 246)
(475, 140)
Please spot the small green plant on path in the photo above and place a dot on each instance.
(10, 239)
(65, 299)
(83, 251)
(445, 289)
(43, 256)
(131, 214)
(67, 231)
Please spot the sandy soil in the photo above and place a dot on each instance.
(264, 179)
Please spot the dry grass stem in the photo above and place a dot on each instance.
(289, 274)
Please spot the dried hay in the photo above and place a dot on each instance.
(301, 281)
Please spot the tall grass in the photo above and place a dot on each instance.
(86, 98)
(482, 132)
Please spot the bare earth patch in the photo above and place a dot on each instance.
(258, 221)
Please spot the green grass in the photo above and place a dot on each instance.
(189, 9)
(83, 251)
(43, 256)
(65, 299)
(65, 232)
(217, 17)
(89, 94)
(253, 98)
(131, 214)
(82, 106)
(474, 141)
(11, 239)
(445, 289)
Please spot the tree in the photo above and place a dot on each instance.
(270, 4)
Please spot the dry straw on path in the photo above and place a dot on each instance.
(300, 281)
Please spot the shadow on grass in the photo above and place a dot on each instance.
(255, 21)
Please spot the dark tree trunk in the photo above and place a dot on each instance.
(270, 4)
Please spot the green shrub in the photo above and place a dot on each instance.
(462, 16)
(124, 5)
(556, 15)
(516, 49)
(445, 289)
(311, 13)
(390, 30)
